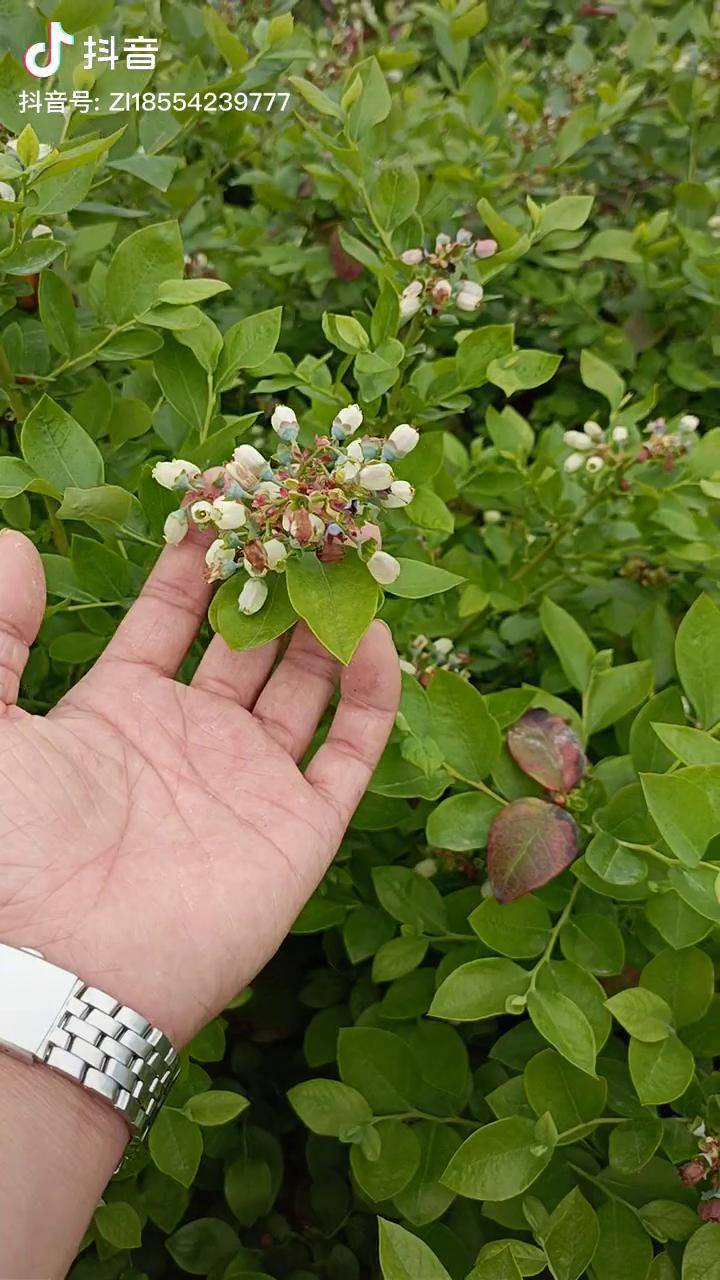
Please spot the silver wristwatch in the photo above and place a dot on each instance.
(49, 1015)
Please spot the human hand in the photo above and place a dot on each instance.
(158, 839)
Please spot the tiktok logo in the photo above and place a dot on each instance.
(35, 52)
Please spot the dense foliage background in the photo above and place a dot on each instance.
(509, 1086)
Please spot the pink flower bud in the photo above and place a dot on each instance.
(411, 257)
(693, 1172)
(440, 292)
(485, 248)
(299, 525)
(709, 1210)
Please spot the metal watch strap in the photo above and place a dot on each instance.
(49, 1015)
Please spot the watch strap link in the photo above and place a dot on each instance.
(111, 1049)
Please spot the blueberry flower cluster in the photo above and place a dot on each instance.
(705, 1167)
(325, 499)
(426, 656)
(593, 448)
(434, 289)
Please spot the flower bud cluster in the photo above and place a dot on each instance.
(705, 1167)
(593, 448)
(325, 499)
(427, 656)
(435, 290)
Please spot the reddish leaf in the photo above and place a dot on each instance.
(345, 267)
(547, 749)
(529, 842)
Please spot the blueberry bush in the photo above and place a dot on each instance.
(464, 287)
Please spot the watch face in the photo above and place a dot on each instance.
(33, 994)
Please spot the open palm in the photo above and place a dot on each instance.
(159, 839)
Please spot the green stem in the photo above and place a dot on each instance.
(86, 355)
(425, 1115)
(477, 786)
(555, 934)
(58, 531)
(611, 1195)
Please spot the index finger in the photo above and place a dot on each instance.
(164, 620)
(369, 699)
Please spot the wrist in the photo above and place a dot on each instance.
(61, 1147)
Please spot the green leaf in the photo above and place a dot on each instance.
(692, 746)
(410, 898)
(462, 822)
(142, 262)
(78, 14)
(176, 1145)
(479, 350)
(184, 382)
(380, 1066)
(634, 1142)
(107, 508)
(479, 989)
(395, 195)
(642, 1013)
(571, 644)
(181, 292)
(31, 256)
(684, 979)
(499, 1161)
(661, 1072)
(697, 654)
(564, 1025)
(520, 929)
(571, 1096)
(701, 1260)
(329, 1107)
(612, 693)
(203, 1245)
(418, 580)
(397, 1161)
(217, 1106)
(593, 942)
(569, 213)
(617, 245)
(428, 511)
(599, 376)
(404, 1256)
(371, 105)
(470, 23)
(624, 1249)
(345, 332)
(462, 726)
(682, 813)
(119, 1224)
(156, 171)
(57, 448)
(15, 477)
(315, 97)
(248, 344)
(523, 370)
(571, 1236)
(57, 312)
(337, 601)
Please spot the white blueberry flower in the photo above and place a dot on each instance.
(594, 464)
(202, 512)
(440, 292)
(469, 296)
(230, 515)
(42, 229)
(270, 489)
(220, 559)
(399, 494)
(577, 440)
(248, 456)
(412, 257)
(383, 567)
(688, 422)
(251, 570)
(275, 553)
(346, 421)
(175, 527)
(354, 451)
(491, 516)
(593, 430)
(443, 646)
(6, 191)
(285, 423)
(376, 476)
(346, 471)
(426, 868)
(410, 300)
(464, 236)
(253, 596)
(407, 667)
(175, 474)
(442, 241)
(620, 435)
(574, 462)
(485, 248)
(403, 439)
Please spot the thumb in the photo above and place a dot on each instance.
(22, 603)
